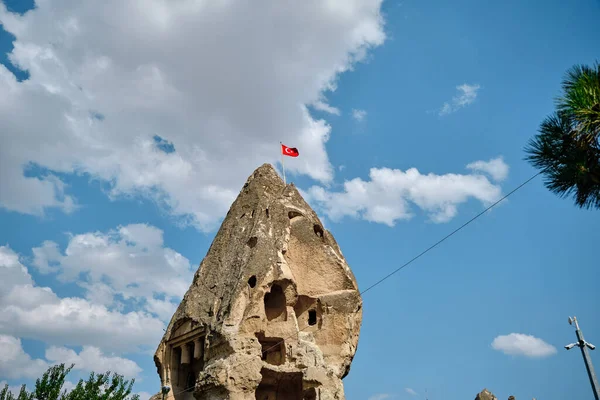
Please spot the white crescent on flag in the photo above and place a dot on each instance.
(289, 151)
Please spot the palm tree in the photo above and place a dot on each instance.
(567, 148)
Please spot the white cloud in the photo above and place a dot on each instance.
(410, 391)
(359, 115)
(130, 261)
(321, 105)
(381, 396)
(69, 386)
(465, 96)
(164, 309)
(496, 167)
(41, 192)
(15, 363)
(100, 95)
(519, 344)
(30, 311)
(386, 197)
(92, 359)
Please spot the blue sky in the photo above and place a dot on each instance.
(133, 129)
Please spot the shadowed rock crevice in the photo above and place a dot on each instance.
(274, 311)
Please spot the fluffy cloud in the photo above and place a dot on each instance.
(30, 311)
(410, 391)
(321, 105)
(385, 198)
(359, 115)
(106, 78)
(496, 168)
(164, 309)
(69, 386)
(130, 261)
(465, 96)
(518, 344)
(92, 359)
(15, 363)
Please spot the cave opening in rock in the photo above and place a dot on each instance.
(274, 303)
(186, 363)
(175, 360)
(307, 311)
(310, 394)
(252, 281)
(252, 242)
(272, 349)
(318, 231)
(293, 214)
(277, 385)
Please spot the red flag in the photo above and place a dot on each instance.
(289, 151)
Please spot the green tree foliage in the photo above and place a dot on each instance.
(105, 386)
(567, 148)
(5, 394)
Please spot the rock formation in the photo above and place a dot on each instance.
(273, 312)
(486, 395)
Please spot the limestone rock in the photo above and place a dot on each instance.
(486, 395)
(274, 311)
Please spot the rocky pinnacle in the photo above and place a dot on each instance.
(274, 311)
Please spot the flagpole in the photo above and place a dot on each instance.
(282, 165)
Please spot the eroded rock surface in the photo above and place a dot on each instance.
(486, 395)
(273, 312)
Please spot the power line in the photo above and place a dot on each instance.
(450, 234)
(427, 250)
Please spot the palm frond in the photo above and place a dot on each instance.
(581, 100)
(571, 166)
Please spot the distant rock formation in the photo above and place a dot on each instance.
(487, 395)
(274, 311)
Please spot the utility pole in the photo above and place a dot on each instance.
(583, 345)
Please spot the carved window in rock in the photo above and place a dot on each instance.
(308, 313)
(272, 350)
(310, 394)
(186, 363)
(293, 214)
(318, 231)
(276, 385)
(275, 304)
